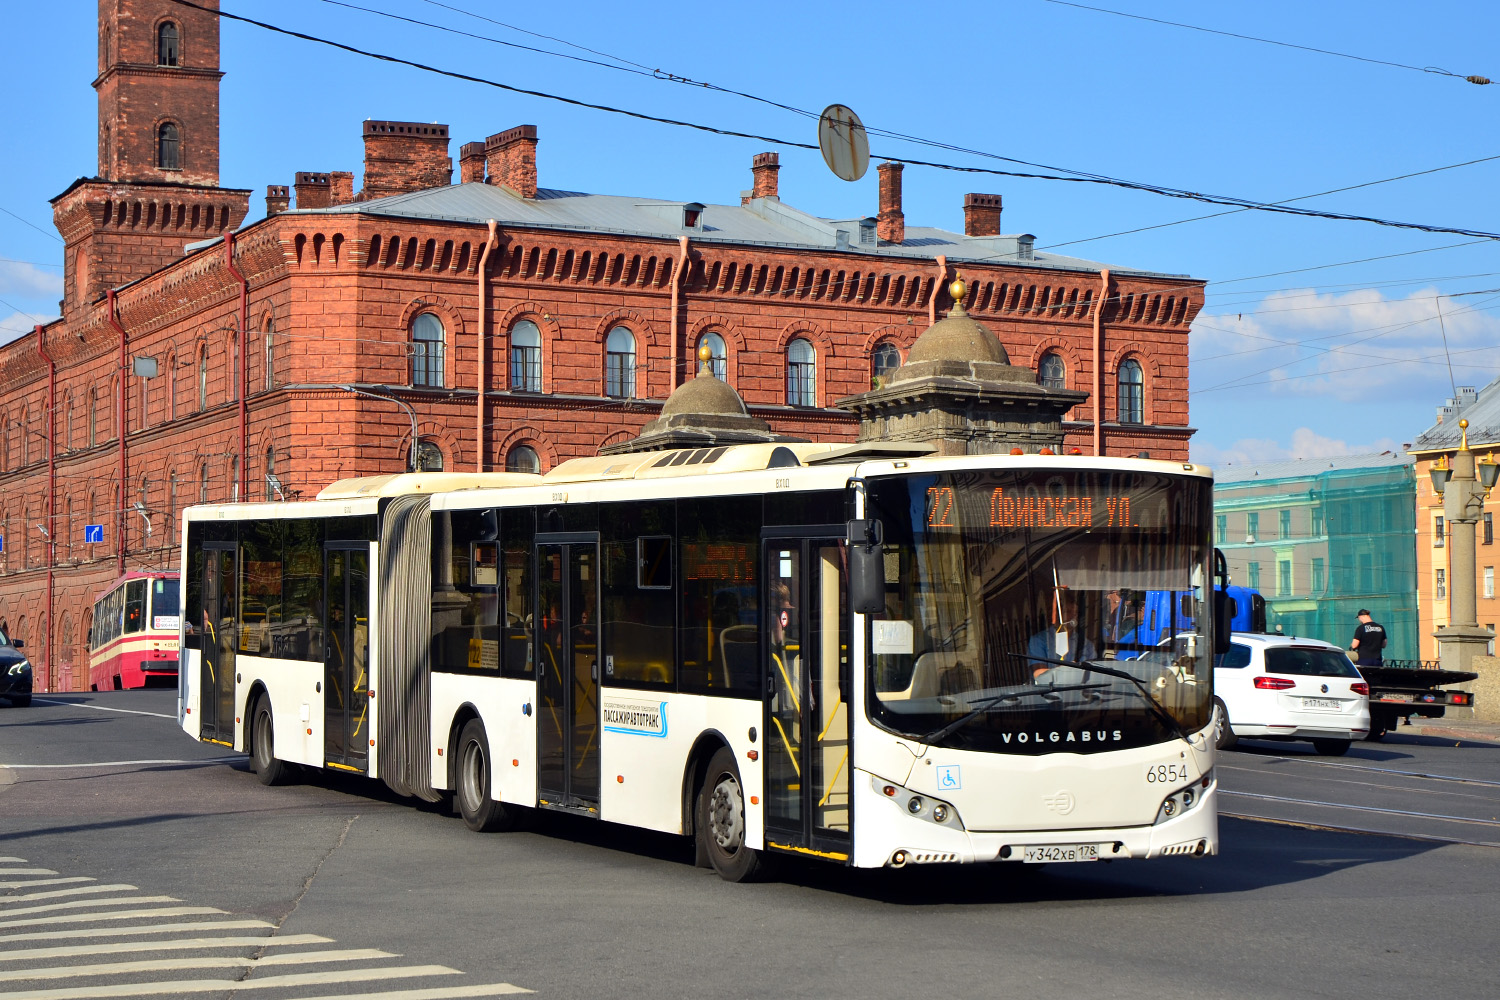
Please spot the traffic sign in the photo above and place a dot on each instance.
(93, 532)
(842, 140)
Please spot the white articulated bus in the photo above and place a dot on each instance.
(805, 649)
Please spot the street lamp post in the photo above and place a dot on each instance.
(1463, 502)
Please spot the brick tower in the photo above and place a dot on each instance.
(157, 187)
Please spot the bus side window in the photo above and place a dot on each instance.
(517, 535)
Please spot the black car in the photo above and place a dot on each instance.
(15, 672)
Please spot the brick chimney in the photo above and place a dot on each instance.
(981, 215)
(340, 187)
(278, 199)
(764, 168)
(401, 157)
(890, 224)
(471, 163)
(510, 158)
(312, 190)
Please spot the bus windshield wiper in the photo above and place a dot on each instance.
(985, 704)
(1157, 708)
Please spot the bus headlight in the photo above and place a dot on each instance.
(1184, 798)
(919, 805)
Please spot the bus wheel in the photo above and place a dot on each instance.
(721, 821)
(263, 760)
(480, 811)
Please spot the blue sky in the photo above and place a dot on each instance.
(1317, 362)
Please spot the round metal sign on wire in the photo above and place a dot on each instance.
(841, 137)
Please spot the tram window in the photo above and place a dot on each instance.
(261, 574)
(135, 606)
(517, 533)
(465, 592)
(718, 556)
(823, 507)
(301, 632)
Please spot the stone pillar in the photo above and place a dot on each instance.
(1463, 503)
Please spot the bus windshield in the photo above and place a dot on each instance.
(1013, 601)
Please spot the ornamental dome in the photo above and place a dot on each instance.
(958, 337)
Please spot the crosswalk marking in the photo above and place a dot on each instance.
(93, 932)
(45, 881)
(199, 962)
(232, 985)
(74, 904)
(77, 890)
(138, 952)
(78, 918)
(181, 944)
(434, 993)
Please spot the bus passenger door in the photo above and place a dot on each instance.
(567, 612)
(216, 685)
(808, 806)
(346, 683)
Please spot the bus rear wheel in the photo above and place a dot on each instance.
(263, 760)
(478, 807)
(721, 822)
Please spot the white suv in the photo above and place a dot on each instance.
(1288, 688)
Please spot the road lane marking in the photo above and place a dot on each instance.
(1372, 809)
(435, 993)
(232, 985)
(77, 890)
(101, 708)
(114, 763)
(46, 881)
(27, 871)
(1364, 767)
(181, 944)
(76, 903)
(78, 918)
(200, 962)
(1309, 825)
(93, 932)
(12, 861)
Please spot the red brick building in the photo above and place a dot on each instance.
(501, 322)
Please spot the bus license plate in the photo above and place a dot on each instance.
(1320, 704)
(1052, 853)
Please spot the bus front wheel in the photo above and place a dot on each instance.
(721, 821)
(476, 804)
(267, 768)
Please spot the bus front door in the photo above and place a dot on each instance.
(567, 613)
(346, 657)
(216, 681)
(808, 806)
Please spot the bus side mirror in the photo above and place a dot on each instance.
(866, 567)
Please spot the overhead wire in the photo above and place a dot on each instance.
(1076, 177)
(33, 225)
(1434, 70)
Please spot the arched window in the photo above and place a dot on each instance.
(427, 343)
(619, 363)
(68, 423)
(522, 458)
(270, 354)
(203, 379)
(80, 278)
(1051, 373)
(93, 418)
(801, 374)
(1131, 383)
(203, 483)
(884, 360)
(271, 472)
(718, 355)
(429, 458)
(167, 53)
(168, 147)
(525, 357)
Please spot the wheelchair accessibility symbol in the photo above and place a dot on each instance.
(948, 777)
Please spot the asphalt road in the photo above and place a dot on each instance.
(178, 866)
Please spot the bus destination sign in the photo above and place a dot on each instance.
(1010, 508)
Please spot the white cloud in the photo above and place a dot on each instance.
(1305, 443)
(27, 281)
(1348, 346)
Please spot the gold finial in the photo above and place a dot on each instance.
(705, 355)
(1463, 444)
(958, 289)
